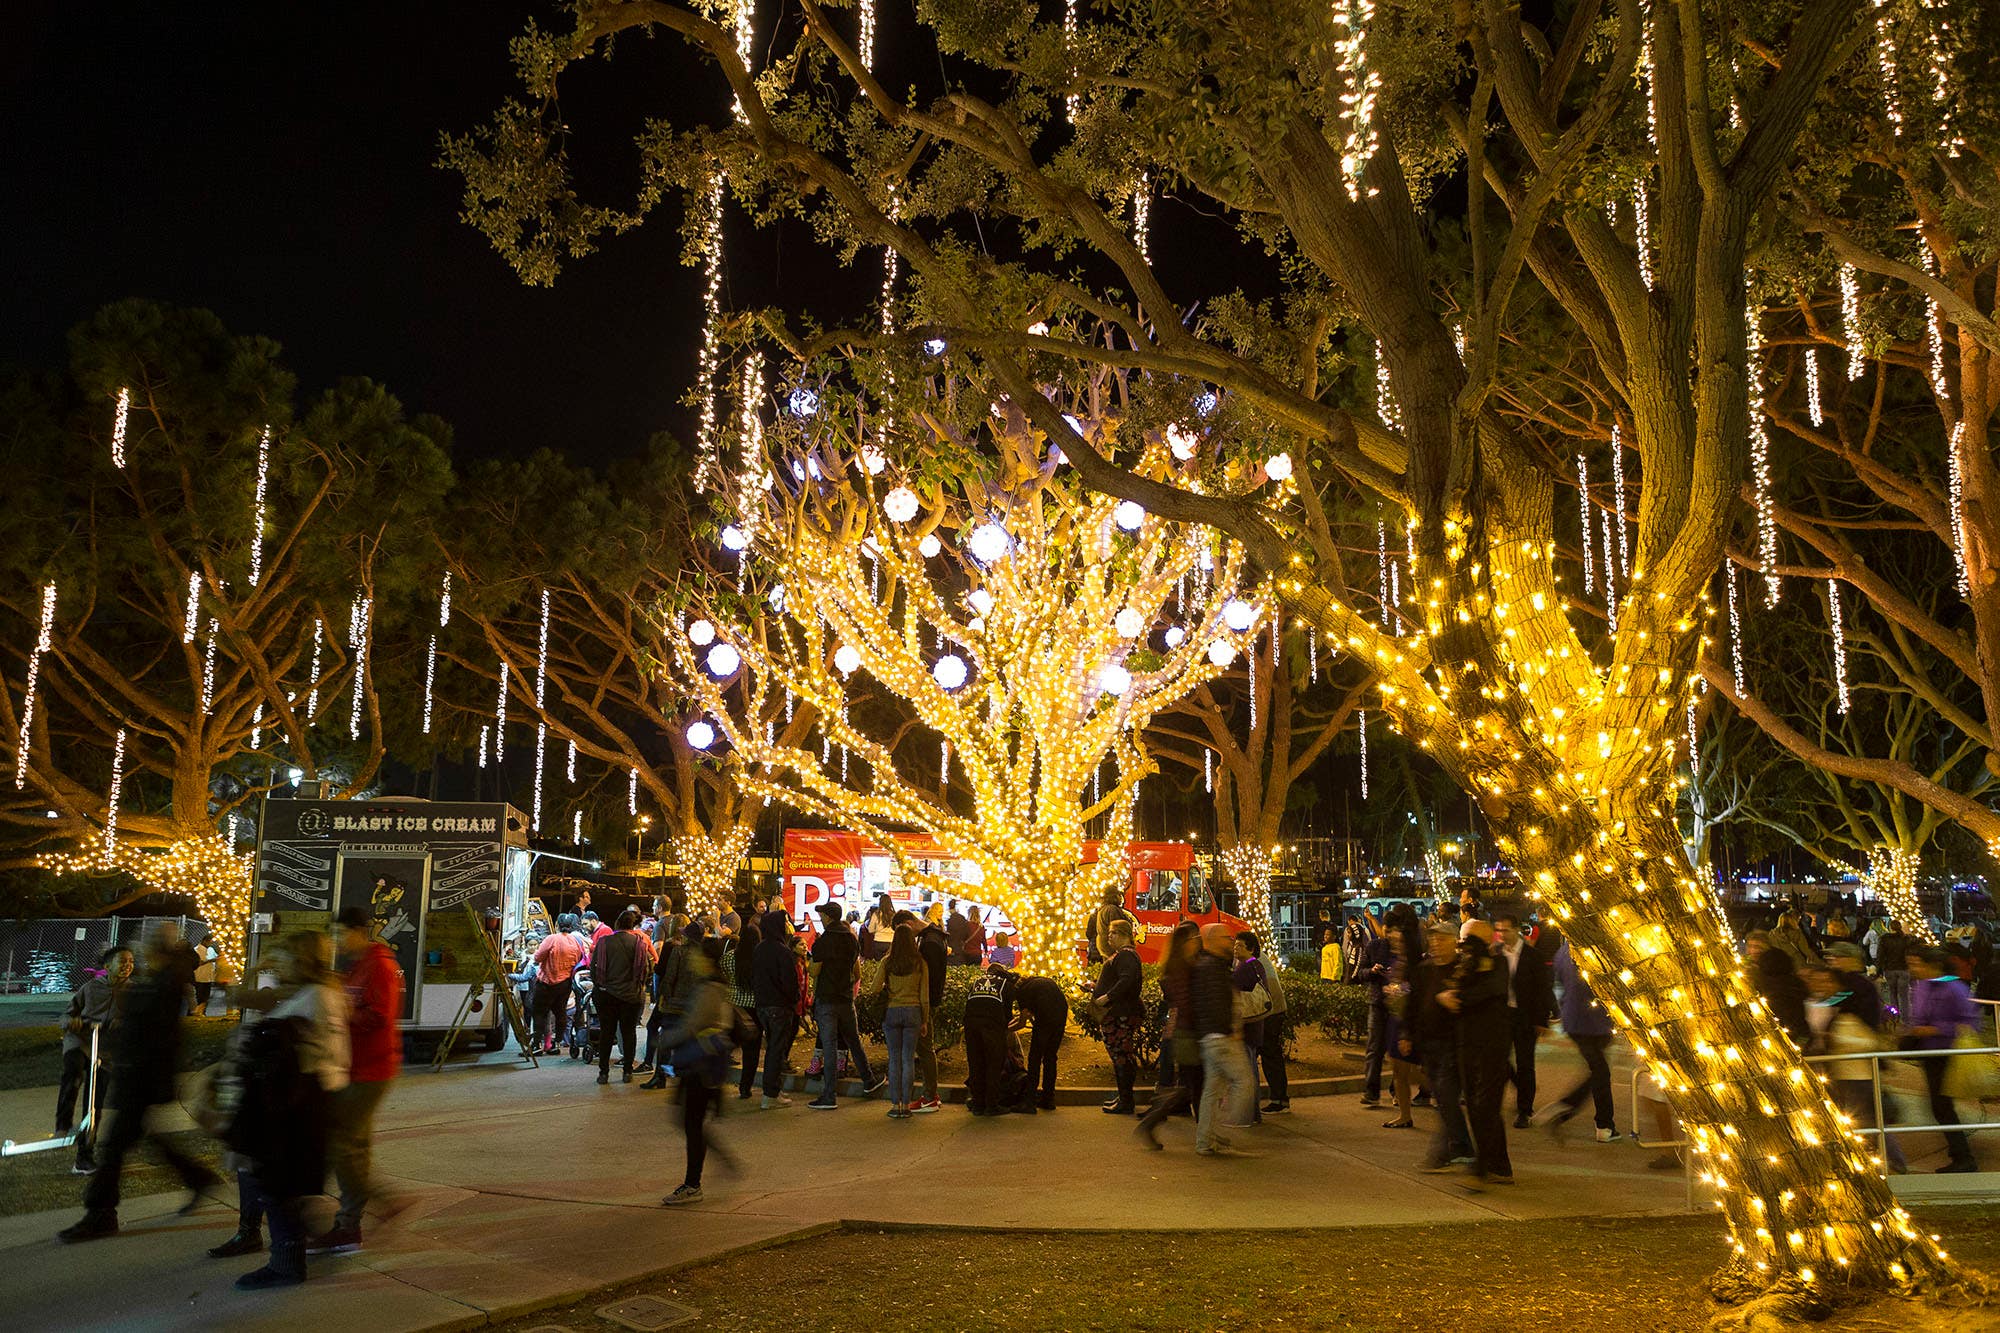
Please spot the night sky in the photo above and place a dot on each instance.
(274, 163)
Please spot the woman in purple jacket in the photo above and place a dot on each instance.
(1940, 1009)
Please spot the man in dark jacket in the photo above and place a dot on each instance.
(145, 1059)
(1892, 964)
(834, 955)
(774, 981)
(93, 1006)
(1586, 1023)
(1377, 960)
(1120, 1012)
(1043, 1003)
(1225, 1065)
(1430, 1035)
(956, 928)
(1479, 997)
(989, 1011)
(620, 967)
(1528, 1003)
(936, 952)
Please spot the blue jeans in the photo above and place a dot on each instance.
(837, 1029)
(1225, 1075)
(288, 1231)
(899, 1028)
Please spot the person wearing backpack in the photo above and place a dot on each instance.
(1098, 935)
(699, 1041)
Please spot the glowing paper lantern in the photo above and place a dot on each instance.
(701, 634)
(1221, 653)
(989, 542)
(949, 671)
(1278, 467)
(929, 546)
(700, 735)
(1129, 515)
(1129, 623)
(873, 460)
(723, 660)
(900, 504)
(1174, 636)
(734, 538)
(1238, 614)
(982, 601)
(846, 659)
(1115, 679)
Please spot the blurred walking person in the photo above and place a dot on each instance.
(697, 1044)
(1181, 1046)
(373, 985)
(1588, 1027)
(739, 952)
(1225, 1068)
(145, 1060)
(774, 984)
(1479, 996)
(1433, 1034)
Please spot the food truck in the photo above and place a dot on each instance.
(1163, 887)
(415, 865)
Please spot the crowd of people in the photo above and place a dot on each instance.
(295, 1097)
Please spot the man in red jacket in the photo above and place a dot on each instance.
(374, 985)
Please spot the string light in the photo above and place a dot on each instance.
(1312, 651)
(541, 748)
(120, 419)
(257, 728)
(430, 680)
(1814, 407)
(43, 639)
(1850, 321)
(1934, 328)
(257, 507)
(192, 623)
(1735, 626)
(1618, 497)
(1142, 216)
(117, 790)
(1892, 875)
(1642, 231)
(312, 698)
(1249, 866)
(1760, 459)
(866, 43)
(485, 739)
(1382, 570)
(576, 827)
(1589, 527)
(1207, 769)
(1362, 716)
(1839, 645)
(632, 793)
(1069, 50)
(707, 433)
(1610, 592)
(444, 601)
(1360, 87)
(1694, 757)
(206, 869)
(1937, 29)
(1885, 62)
(361, 637)
(570, 772)
(1387, 406)
(500, 719)
(1955, 481)
(208, 670)
(743, 19)
(541, 715)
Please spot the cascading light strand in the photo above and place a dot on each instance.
(1839, 645)
(117, 790)
(1142, 216)
(1588, 527)
(1361, 85)
(1760, 458)
(541, 749)
(1610, 590)
(121, 419)
(257, 728)
(708, 432)
(1815, 405)
(865, 43)
(362, 634)
(430, 680)
(1735, 625)
(1934, 327)
(541, 714)
(444, 602)
(1955, 482)
(1850, 321)
(1618, 497)
(1382, 570)
(1362, 722)
(44, 637)
(569, 773)
(485, 738)
(1070, 100)
(632, 793)
(191, 624)
(1885, 65)
(1938, 32)
(257, 507)
(500, 718)
(312, 698)
(208, 669)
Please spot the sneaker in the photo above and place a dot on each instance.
(1371, 1102)
(239, 1244)
(880, 1082)
(822, 1104)
(1464, 1159)
(84, 1169)
(928, 1106)
(1523, 1120)
(685, 1194)
(94, 1225)
(772, 1103)
(336, 1240)
(1277, 1108)
(268, 1277)
(603, 1079)
(899, 1113)
(1438, 1169)
(1607, 1136)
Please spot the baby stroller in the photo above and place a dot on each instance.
(584, 1032)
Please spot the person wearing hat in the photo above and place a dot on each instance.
(834, 955)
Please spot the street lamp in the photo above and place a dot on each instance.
(645, 822)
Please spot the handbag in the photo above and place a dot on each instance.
(1253, 1004)
(1970, 1078)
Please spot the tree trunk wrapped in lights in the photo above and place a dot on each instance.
(204, 869)
(1590, 295)
(1892, 877)
(1032, 629)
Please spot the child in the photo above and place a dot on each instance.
(1003, 951)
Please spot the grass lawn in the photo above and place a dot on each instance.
(1627, 1274)
(31, 1057)
(42, 1180)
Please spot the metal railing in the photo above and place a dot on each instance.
(84, 1127)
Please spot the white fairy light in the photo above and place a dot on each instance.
(865, 44)
(944, 763)
(1363, 716)
(1850, 321)
(208, 669)
(1610, 590)
(1589, 528)
(485, 737)
(541, 749)
(1885, 64)
(632, 793)
(1839, 644)
(257, 507)
(1618, 497)
(120, 419)
(430, 680)
(235, 827)
(192, 623)
(1760, 458)
(1382, 568)
(1361, 86)
(1642, 232)
(1934, 329)
(1207, 769)
(569, 771)
(576, 827)
(743, 20)
(1936, 31)
(43, 639)
(1312, 651)
(444, 601)
(1069, 49)
(1815, 407)
(751, 474)
(361, 637)
(1387, 408)
(117, 788)
(1735, 626)
(1694, 756)
(500, 718)
(1955, 481)
(1142, 216)
(708, 431)
(312, 699)
(257, 728)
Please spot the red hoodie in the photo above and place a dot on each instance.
(374, 1004)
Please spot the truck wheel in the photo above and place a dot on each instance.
(496, 1037)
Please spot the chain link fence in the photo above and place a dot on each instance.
(47, 957)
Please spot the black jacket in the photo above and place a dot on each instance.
(1484, 1023)
(1119, 984)
(991, 999)
(1214, 995)
(1042, 999)
(1892, 952)
(146, 1041)
(835, 951)
(936, 951)
(1533, 995)
(774, 973)
(281, 1115)
(1425, 1021)
(620, 968)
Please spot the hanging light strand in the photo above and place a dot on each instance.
(1610, 592)
(569, 773)
(1070, 100)
(1760, 459)
(1589, 528)
(865, 43)
(43, 639)
(1934, 328)
(312, 698)
(1850, 321)
(1618, 497)
(430, 680)
(257, 507)
(1815, 406)
(1735, 626)
(121, 418)
(208, 670)
(1885, 65)
(1956, 483)
(1839, 645)
(361, 637)
(117, 790)
(1363, 716)
(632, 793)
(1142, 216)
(444, 601)
(500, 718)
(191, 624)
(1361, 85)
(1382, 569)
(708, 362)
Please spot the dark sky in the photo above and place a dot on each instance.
(273, 163)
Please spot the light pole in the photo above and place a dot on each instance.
(645, 822)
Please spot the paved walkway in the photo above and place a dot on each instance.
(517, 1187)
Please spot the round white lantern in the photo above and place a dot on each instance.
(1221, 653)
(989, 542)
(1129, 515)
(701, 634)
(1115, 679)
(900, 504)
(846, 659)
(1278, 467)
(700, 734)
(949, 671)
(723, 660)
(1129, 623)
(1238, 614)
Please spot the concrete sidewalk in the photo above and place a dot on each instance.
(516, 1187)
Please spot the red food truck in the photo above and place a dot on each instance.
(1164, 885)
